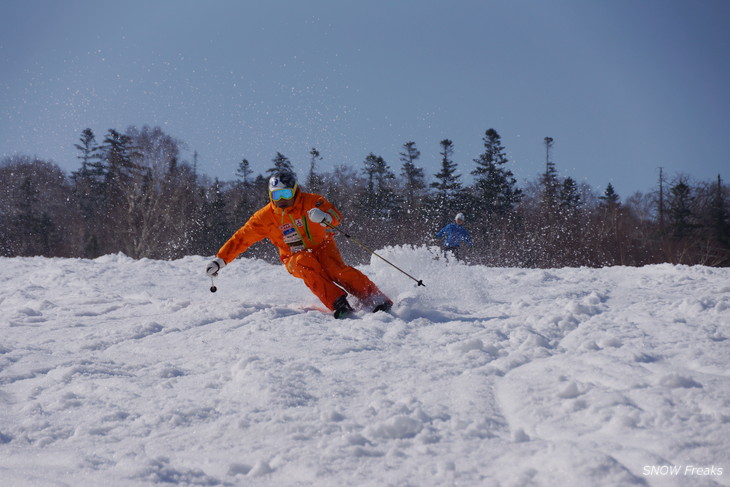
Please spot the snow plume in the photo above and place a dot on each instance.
(119, 372)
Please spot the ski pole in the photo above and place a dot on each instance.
(212, 285)
(420, 282)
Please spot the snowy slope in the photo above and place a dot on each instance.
(118, 372)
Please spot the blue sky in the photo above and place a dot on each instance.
(622, 86)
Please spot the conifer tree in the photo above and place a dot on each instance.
(719, 216)
(448, 182)
(244, 172)
(609, 223)
(378, 201)
(569, 197)
(90, 158)
(549, 180)
(314, 180)
(495, 185)
(88, 192)
(247, 192)
(680, 209)
(610, 198)
(281, 164)
(118, 173)
(118, 158)
(413, 176)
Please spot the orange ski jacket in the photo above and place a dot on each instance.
(288, 228)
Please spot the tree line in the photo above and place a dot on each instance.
(133, 194)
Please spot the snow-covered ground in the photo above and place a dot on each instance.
(116, 372)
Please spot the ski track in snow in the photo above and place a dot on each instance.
(119, 372)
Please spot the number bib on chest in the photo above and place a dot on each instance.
(292, 237)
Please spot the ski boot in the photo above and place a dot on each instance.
(342, 308)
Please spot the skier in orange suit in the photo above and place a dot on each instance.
(297, 223)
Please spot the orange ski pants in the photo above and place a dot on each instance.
(326, 274)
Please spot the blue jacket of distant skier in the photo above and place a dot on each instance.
(453, 234)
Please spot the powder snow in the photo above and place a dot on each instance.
(121, 372)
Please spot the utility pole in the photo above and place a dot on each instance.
(548, 146)
(661, 201)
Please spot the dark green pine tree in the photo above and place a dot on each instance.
(495, 186)
(719, 217)
(246, 197)
(448, 183)
(610, 198)
(88, 191)
(281, 164)
(413, 177)
(680, 210)
(91, 167)
(116, 225)
(549, 180)
(118, 158)
(569, 197)
(379, 198)
(244, 172)
(314, 179)
(91, 174)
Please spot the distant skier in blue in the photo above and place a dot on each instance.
(453, 234)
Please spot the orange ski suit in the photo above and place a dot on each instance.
(307, 249)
